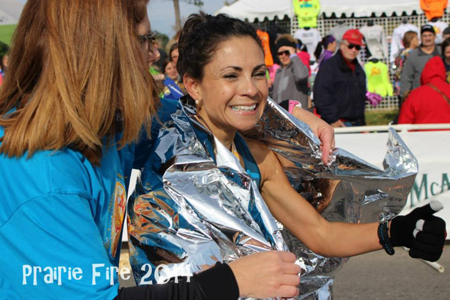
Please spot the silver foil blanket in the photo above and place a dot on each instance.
(188, 212)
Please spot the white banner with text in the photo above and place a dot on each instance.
(432, 150)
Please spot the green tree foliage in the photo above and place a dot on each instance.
(3, 49)
(162, 37)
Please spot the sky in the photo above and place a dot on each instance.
(162, 14)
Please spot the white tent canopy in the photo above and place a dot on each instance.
(258, 9)
(261, 9)
(365, 8)
(10, 11)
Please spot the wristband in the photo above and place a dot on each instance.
(383, 235)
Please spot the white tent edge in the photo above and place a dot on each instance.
(260, 10)
(10, 11)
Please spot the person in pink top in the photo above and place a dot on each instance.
(302, 53)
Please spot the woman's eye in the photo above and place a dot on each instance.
(260, 74)
(230, 76)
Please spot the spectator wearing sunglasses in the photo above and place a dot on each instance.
(340, 84)
(291, 79)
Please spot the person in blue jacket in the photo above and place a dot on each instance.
(72, 110)
(172, 89)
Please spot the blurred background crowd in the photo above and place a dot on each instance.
(341, 69)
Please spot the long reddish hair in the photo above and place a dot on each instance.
(77, 76)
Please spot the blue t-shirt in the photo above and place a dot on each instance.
(61, 222)
(59, 211)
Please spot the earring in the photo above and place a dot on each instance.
(197, 102)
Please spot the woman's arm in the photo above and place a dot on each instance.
(259, 275)
(322, 129)
(217, 282)
(295, 213)
(420, 230)
(300, 71)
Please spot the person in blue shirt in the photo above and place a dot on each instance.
(172, 89)
(72, 113)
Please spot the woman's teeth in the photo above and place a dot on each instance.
(244, 108)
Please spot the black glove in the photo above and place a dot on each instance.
(420, 231)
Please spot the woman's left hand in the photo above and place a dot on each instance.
(320, 128)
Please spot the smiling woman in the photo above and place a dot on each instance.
(222, 64)
(233, 91)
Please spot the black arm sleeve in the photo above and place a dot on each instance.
(217, 283)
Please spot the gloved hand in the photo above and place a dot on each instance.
(422, 232)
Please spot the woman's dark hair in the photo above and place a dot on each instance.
(300, 46)
(172, 48)
(322, 45)
(445, 44)
(164, 65)
(200, 37)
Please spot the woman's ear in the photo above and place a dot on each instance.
(192, 87)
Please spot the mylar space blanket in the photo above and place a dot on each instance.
(195, 205)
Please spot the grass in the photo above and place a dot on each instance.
(6, 32)
(382, 117)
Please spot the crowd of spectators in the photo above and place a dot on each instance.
(335, 83)
(338, 89)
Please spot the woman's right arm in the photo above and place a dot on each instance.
(260, 275)
(217, 282)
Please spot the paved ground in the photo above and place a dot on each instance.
(378, 276)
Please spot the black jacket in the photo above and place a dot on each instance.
(340, 93)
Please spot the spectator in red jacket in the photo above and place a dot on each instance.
(429, 103)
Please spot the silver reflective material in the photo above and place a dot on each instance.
(348, 190)
(189, 212)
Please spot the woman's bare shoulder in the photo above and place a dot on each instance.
(266, 160)
(258, 149)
